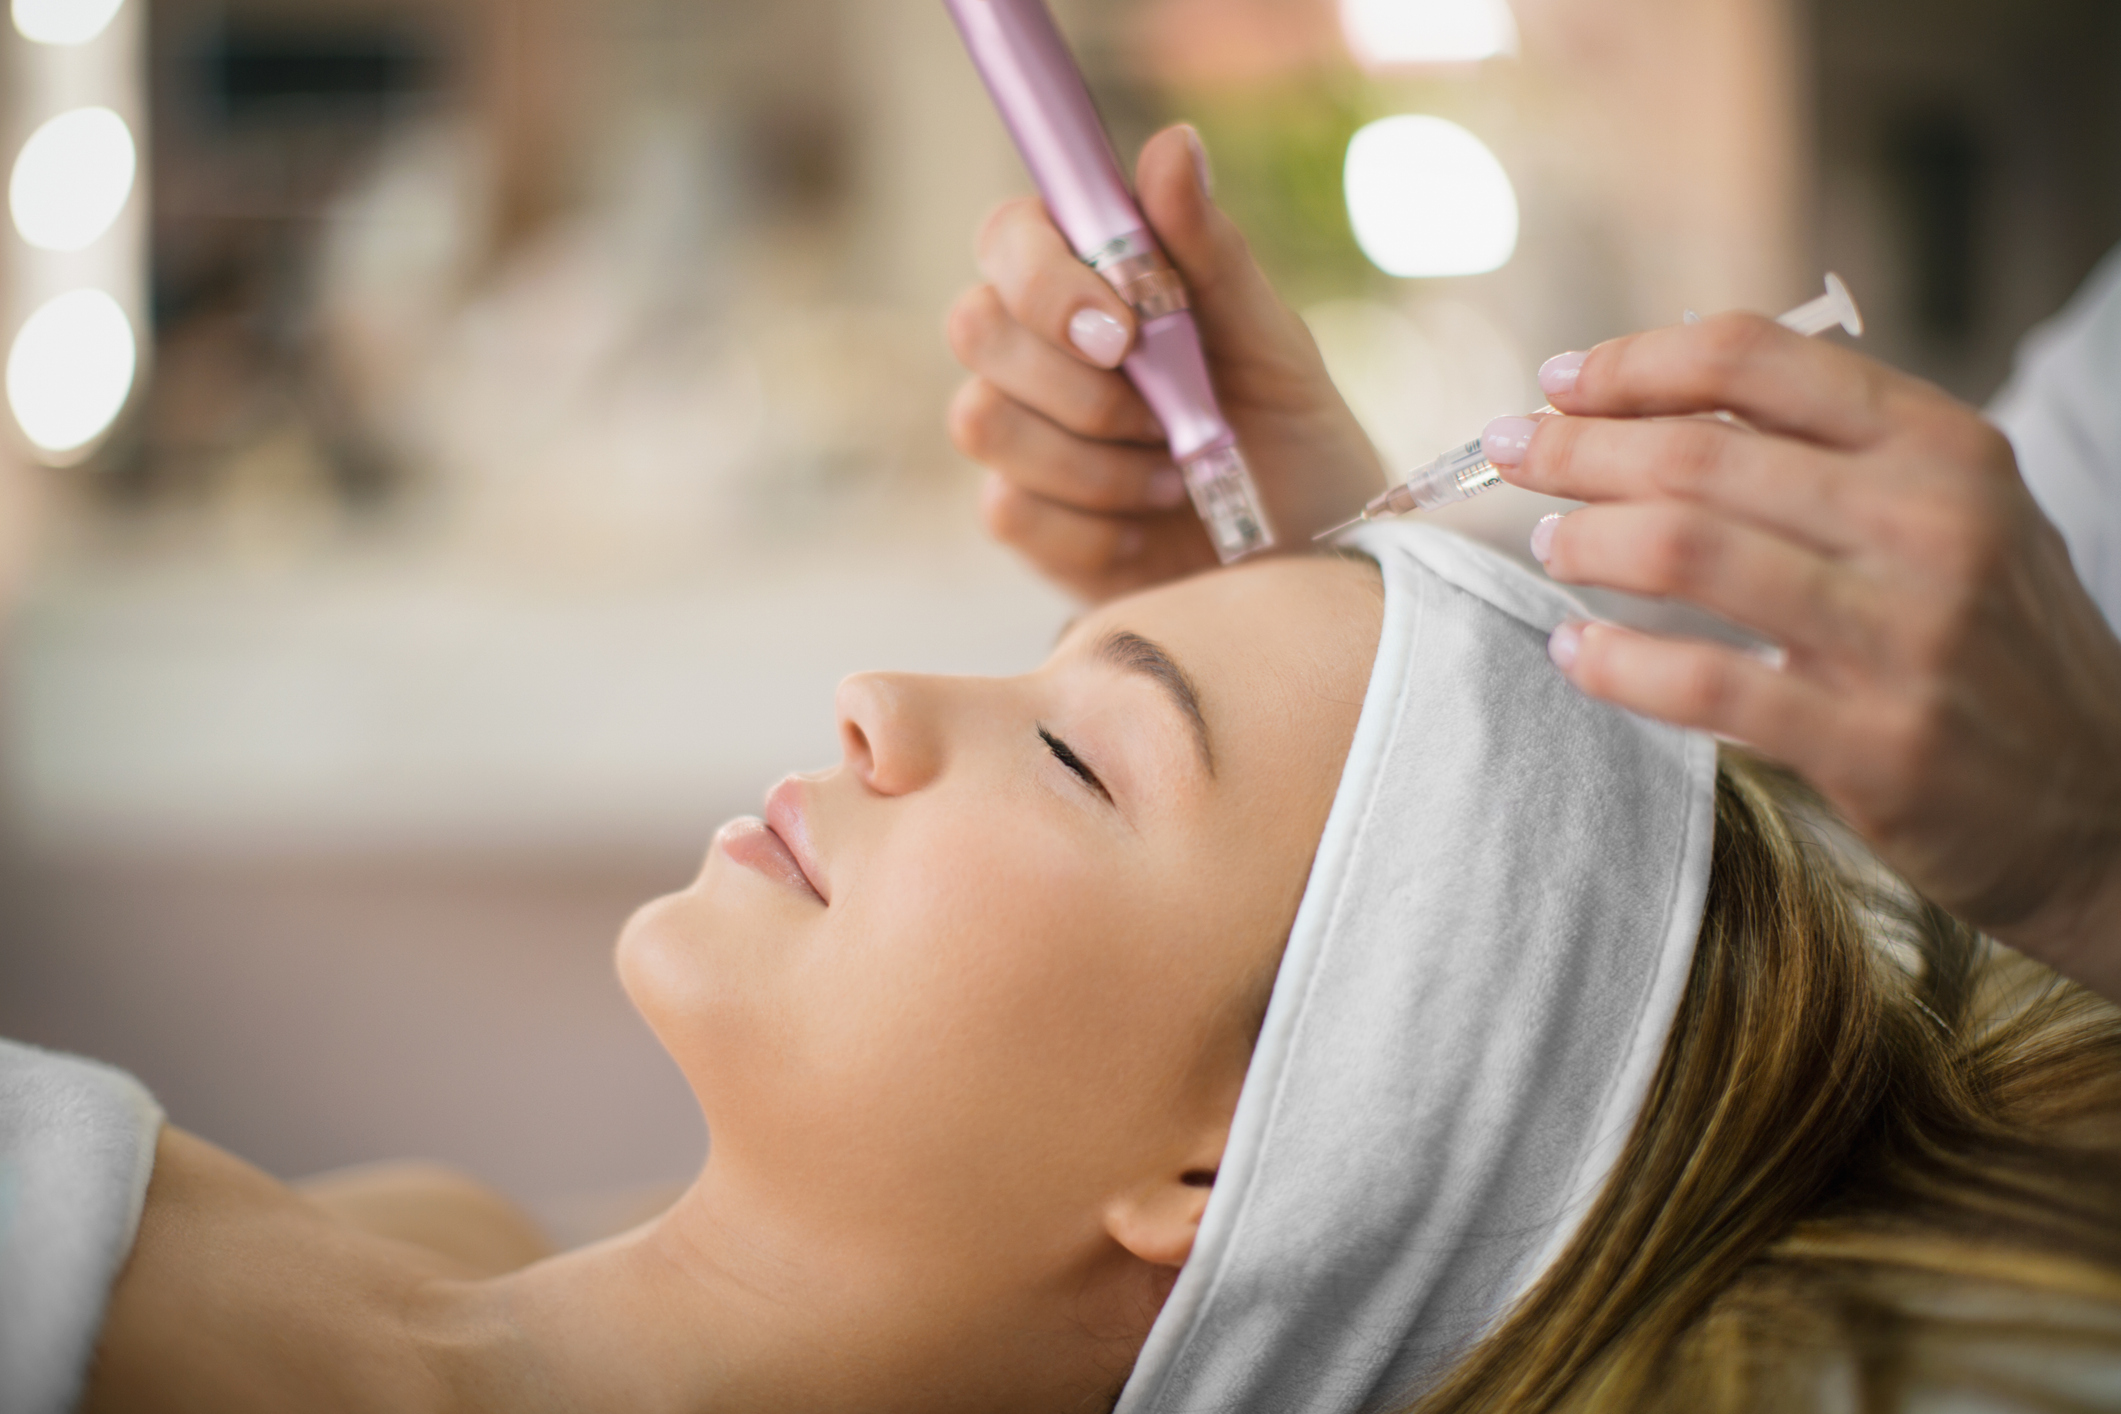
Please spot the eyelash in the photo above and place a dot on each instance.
(1067, 757)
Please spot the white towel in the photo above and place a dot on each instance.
(77, 1144)
(1475, 996)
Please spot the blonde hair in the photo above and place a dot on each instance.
(1880, 1157)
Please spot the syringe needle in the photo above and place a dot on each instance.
(1344, 525)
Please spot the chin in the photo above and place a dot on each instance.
(662, 962)
(684, 963)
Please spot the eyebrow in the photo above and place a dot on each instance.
(1132, 653)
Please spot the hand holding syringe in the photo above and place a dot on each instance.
(1465, 472)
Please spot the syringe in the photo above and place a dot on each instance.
(1465, 472)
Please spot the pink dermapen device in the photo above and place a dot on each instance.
(1046, 105)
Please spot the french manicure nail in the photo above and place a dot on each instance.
(1102, 339)
(1543, 538)
(1507, 439)
(1167, 488)
(1559, 373)
(1566, 643)
(1203, 169)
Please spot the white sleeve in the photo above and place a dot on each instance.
(77, 1146)
(2062, 412)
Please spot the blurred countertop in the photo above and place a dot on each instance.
(384, 704)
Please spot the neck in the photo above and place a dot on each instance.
(695, 1311)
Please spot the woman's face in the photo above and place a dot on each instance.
(1004, 963)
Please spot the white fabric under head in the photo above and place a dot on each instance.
(77, 1146)
(1476, 993)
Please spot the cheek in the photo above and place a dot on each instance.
(987, 1018)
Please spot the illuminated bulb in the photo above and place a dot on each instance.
(64, 21)
(1385, 33)
(1427, 198)
(72, 179)
(71, 370)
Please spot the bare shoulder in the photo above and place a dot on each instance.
(242, 1294)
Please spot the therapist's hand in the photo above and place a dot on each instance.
(1079, 479)
(1950, 686)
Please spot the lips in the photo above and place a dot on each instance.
(778, 846)
(787, 818)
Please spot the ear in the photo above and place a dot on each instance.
(1158, 1221)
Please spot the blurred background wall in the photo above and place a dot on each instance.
(540, 408)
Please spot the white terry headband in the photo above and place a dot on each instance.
(1476, 994)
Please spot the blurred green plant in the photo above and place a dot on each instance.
(1278, 155)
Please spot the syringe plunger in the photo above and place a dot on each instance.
(1836, 307)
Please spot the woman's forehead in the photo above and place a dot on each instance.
(1268, 616)
(1273, 653)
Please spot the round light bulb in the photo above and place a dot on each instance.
(72, 178)
(1427, 198)
(71, 370)
(1388, 33)
(65, 21)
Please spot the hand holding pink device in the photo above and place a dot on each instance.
(1043, 100)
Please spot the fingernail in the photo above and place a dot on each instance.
(1543, 538)
(1167, 488)
(1507, 440)
(1203, 169)
(1102, 339)
(1566, 643)
(1559, 373)
(1128, 543)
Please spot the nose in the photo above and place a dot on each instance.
(890, 730)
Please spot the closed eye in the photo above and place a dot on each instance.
(1067, 757)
